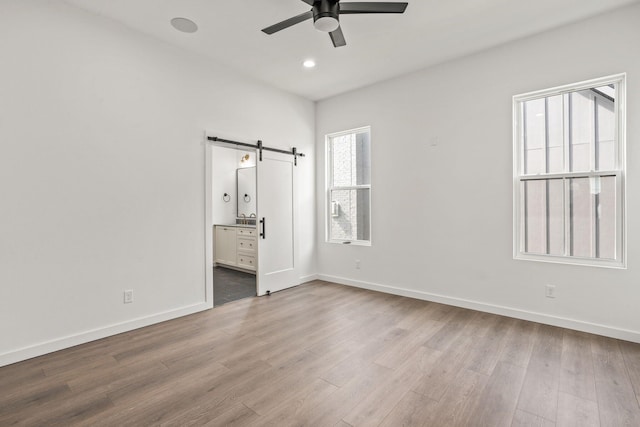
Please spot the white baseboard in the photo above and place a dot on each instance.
(99, 333)
(547, 319)
(306, 279)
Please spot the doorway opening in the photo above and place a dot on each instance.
(233, 215)
(257, 239)
(231, 285)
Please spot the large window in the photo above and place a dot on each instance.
(349, 186)
(569, 173)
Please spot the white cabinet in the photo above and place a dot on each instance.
(246, 261)
(225, 252)
(246, 232)
(247, 246)
(236, 247)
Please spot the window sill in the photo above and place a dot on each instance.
(349, 242)
(587, 262)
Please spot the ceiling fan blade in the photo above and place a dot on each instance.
(372, 7)
(309, 2)
(338, 38)
(288, 23)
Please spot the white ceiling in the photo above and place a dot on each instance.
(378, 46)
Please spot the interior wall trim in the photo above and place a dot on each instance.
(98, 333)
(309, 278)
(107, 331)
(547, 319)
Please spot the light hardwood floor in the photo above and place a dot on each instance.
(327, 355)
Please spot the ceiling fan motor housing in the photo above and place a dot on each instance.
(326, 16)
(326, 11)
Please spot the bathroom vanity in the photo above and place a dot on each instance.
(236, 246)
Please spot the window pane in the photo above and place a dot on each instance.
(543, 135)
(543, 216)
(582, 130)
(582, 217)
(534, 212)
(606, 198)
(534, 136)
(555, 134)
(605, 110)
(351, 159)
(555, 188)
(350, 217)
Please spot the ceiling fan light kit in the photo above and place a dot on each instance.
(326, 16)
(326, 24)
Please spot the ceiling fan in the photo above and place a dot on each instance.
(326, 16)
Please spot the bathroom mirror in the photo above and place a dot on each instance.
(246, 180)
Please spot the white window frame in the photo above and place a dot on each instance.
(329, 187)
(619, 172)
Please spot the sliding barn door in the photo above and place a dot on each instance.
(275, 223)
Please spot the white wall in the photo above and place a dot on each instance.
(102, 173)
(442, 215)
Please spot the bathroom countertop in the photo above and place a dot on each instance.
(235, 225)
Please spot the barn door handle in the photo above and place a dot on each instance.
(263, 233)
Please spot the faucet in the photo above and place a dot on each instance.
(244, 219)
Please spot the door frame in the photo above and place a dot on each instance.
(208, 209)
(208, 220)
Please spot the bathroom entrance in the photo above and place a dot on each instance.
(250, 213)
(234, 216)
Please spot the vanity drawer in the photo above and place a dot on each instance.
(249, 244)
(247, 261)
(246, 231)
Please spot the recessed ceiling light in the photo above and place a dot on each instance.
(185, 25)
(309, 63)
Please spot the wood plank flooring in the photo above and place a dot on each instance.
(328, 355)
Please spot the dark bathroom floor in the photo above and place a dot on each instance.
(230, 285)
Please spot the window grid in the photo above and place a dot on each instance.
(359, 187)
(524, 175)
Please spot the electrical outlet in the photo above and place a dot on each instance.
(128, 297)
(550, 291)
(357, 264)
